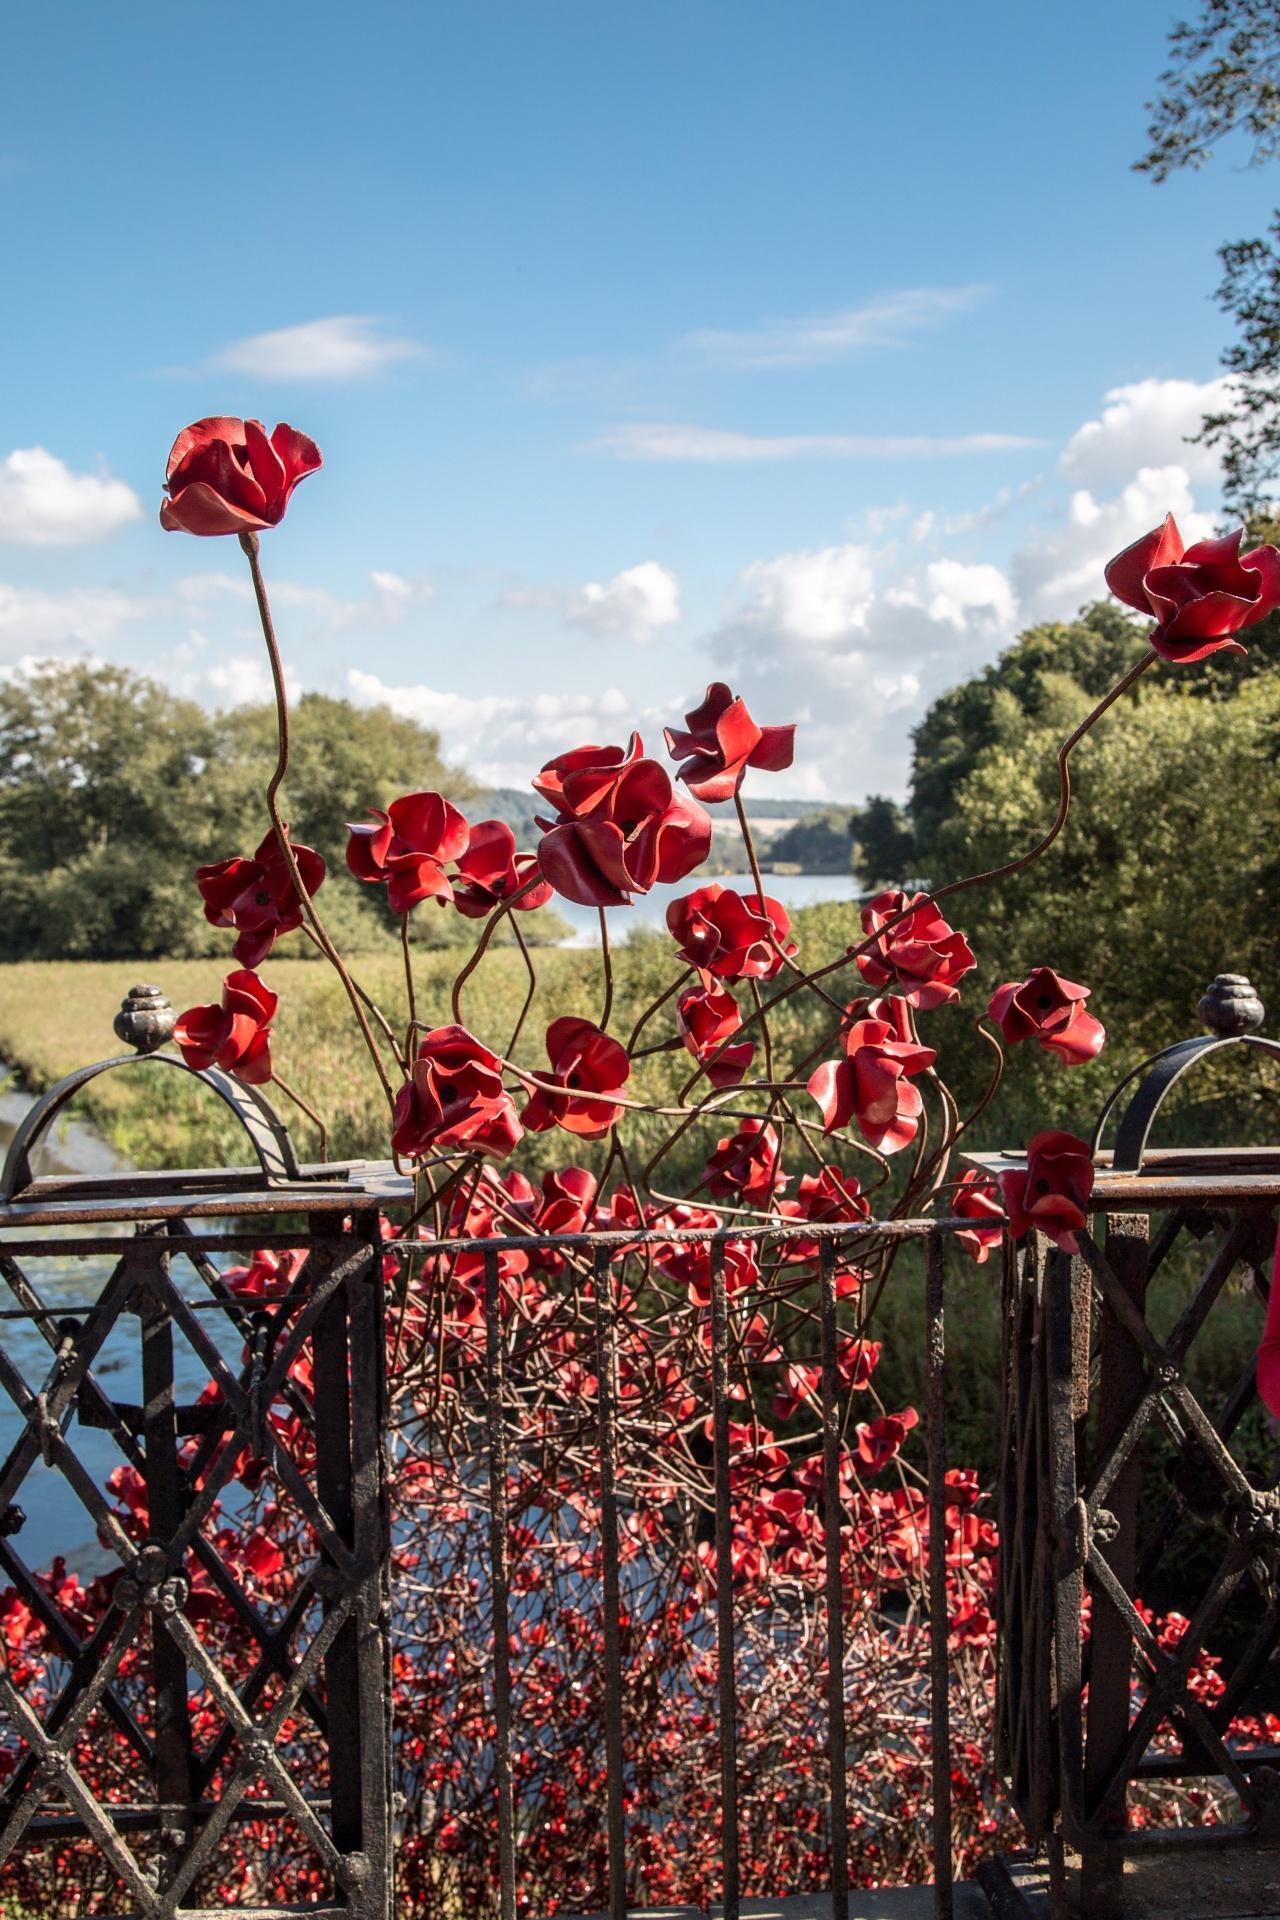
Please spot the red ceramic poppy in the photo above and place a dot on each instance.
(584, 1062)
(258, 897)
(454, 1097)
(918, 952)
(620, 828)
(490, 870)
(746, 1165)
(226, 476)
(1046, 1008)
(976, 1199)
(1199, 596)
(706, 1017)
(872, 1083)
(722, 741)
(735, 936)
(1051, 1194)
(406, 849)
(235, 1036)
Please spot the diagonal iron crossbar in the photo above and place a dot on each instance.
(295, 1731)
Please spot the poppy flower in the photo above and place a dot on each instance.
(490, 870)
(1051, 1194)
(722, 741)
(568, 1195)
(583, 1061)
(406, 849)
(976, 1199)
(235, 1036)
(735, 936)
(258, 897)
(1199, 596)
(620, 828)
(872, 1083)
(454, 1097)
(688, 1264)
(745, 1165)
(828, 1197)
(226, 476)
(919, 952)
(876, 1442)
(706, 1016)
(1051, 1010)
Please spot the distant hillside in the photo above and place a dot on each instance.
(518, 807)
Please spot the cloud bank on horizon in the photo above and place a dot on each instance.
(851, 635)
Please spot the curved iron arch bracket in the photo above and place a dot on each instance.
(268, 1134)
(1167, 1068)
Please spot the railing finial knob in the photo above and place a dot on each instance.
(1231, 1006)
(145, 1021)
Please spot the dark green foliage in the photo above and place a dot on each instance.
(819, 843)
(884, 848)
(1247, 433)
(1224, 78)
(1090, 653)
(112, 792)
(1167, 873)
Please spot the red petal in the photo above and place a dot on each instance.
(1126, 574)
(267, 468)
(298, 454)
(569, 868)
(198, 509)
(201, 435)
(776, 750)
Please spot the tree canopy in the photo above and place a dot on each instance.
(113, 790)
(1169, 868)
(1223, 79)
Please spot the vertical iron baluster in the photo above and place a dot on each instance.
(500, 1580)
(332, 1426)
(939, 1674)
(831, 1508)
(166, 1507)
(724, 1586)
(606, 1372)
(366, 1324)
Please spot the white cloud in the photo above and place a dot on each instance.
(34, 620)
(505, 738)
(809, 596)
(887, 321)
(347, 346)
(851, 645)
(631, 606)
(387, 604)
(1061, 566)
(674, 441)
(1147, 424)
(959, 590)
(44, 504)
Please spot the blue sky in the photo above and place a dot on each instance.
(817, 347)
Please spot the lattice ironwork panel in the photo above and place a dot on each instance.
(1140, 1537)
(193, 1712)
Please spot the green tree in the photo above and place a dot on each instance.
(1168, 872)
(102, 811)
(1224, 79)
(1091, 653)
(883, 843)
(819, 843)
(112, 792)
